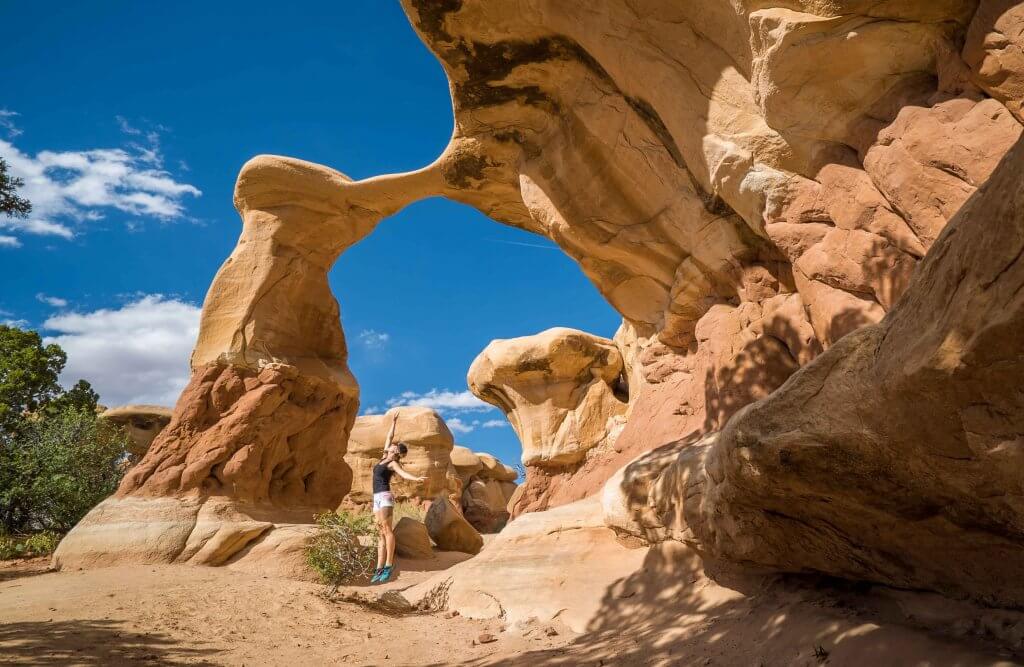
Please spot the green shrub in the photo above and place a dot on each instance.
(336, 553)
(57, 468)
(28, 546)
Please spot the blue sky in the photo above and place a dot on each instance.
(132, 120)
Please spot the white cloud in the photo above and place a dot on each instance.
(19, 324)
(54, 301)
(442, 401)
(68, 188)
(134, 354)
(456, 425)
(495, 423)
(9, 241)
(373, 339)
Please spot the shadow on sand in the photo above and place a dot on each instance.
(92, 642)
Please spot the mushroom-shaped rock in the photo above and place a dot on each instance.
(142, 422)
(429, 441)
(560, 389)
(449, 530)
(492, 468)
(465, 462)
(412, 539)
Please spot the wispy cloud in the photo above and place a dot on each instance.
(54, 301)
(9, 241)
(373, 339)
(7, 319)
(441, 400)
(7, 123)
(137, 353)
(495, 423)
(457, 425)
(71, 188)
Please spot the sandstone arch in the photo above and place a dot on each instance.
(742, 210)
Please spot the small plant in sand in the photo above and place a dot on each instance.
(337, 553)
(28, 546)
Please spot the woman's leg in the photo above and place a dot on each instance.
(381, 546)
(388, 533)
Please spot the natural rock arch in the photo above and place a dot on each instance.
(741, 210)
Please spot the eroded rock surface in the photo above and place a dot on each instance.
(892, 457)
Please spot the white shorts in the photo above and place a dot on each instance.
(382, 500)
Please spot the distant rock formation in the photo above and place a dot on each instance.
(142, 423)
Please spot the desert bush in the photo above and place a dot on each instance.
(28, 546)
(336, 553)
(58, 467)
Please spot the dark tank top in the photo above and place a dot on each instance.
(382, 478)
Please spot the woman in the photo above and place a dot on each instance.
(384, 502)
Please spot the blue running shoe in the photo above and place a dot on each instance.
(385, 575)
(376, 575)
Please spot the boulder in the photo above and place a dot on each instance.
(449, 530)
(412, 539)
(430, 444)
(142, 423)
(484, 505)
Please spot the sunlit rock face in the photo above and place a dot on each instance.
(561, 390)
(746, 183)
(256, 442)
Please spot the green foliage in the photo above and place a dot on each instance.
(336, 553)
(28, 546)
(81, 397)
(28, 376)
(10, 203)
(56, 459)
(57, 468)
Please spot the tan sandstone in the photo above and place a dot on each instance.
(449, 530)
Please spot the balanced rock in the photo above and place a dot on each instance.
(412, 539)
(465, 462)
(429, 441)
(449, 530)
(557, 388)
(142, 423)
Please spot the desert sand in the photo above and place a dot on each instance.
(188, 615)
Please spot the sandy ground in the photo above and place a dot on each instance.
(183, 615)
